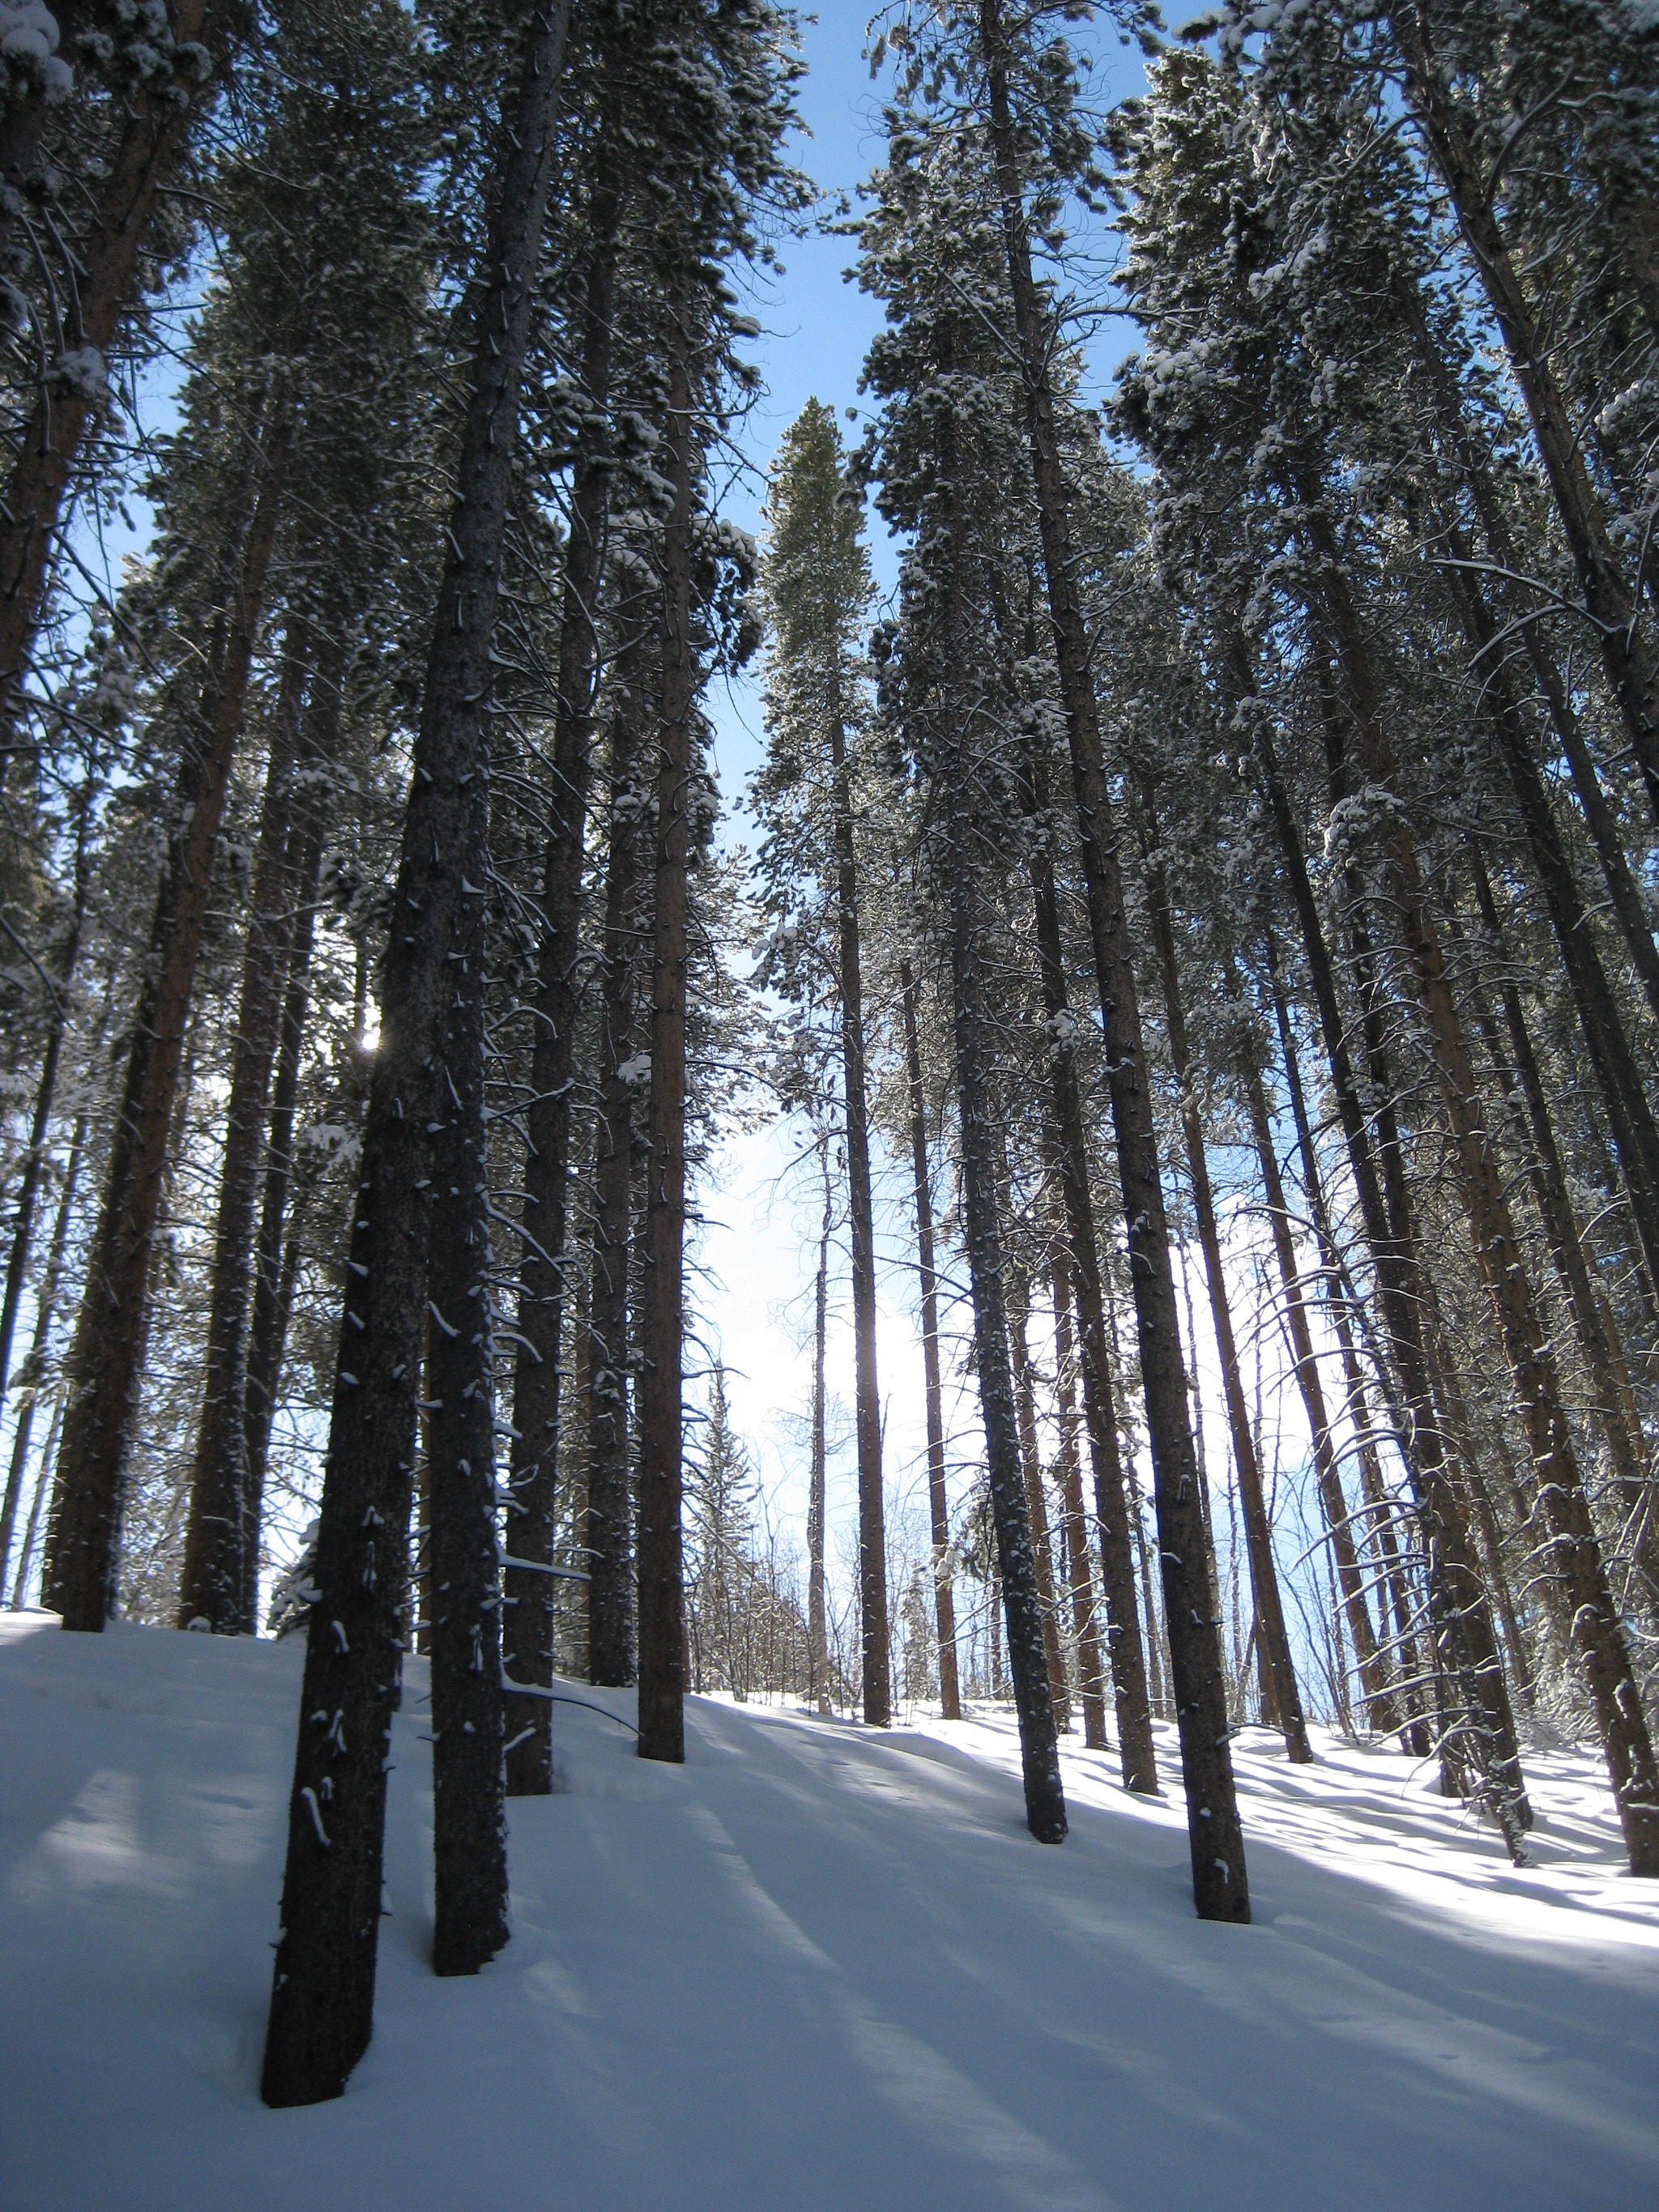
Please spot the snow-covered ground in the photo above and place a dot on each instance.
(815, 1968)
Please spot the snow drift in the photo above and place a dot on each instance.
(816, 1967)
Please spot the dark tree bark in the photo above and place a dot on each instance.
(105, 283)
(872, 1540)
(662, 1633)
(469, 1806)
(1133, 1712)
(105, 1362)
(816, 1646)
(217, 1537)
(1220, 1888)
(1090, 1681)
(532, 1517)
(938, 1510)
(1045, 1800)
(1273, 1640)
(323, 1994)
(610, 1519)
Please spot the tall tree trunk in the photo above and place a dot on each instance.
(662, 1636)
(816, 1650)
(610, 1518)
(105, 280)
(1090, 1683)
(1598, 1637)
(937, 1509)
(1036, 1509)
(217, 1537)
(1460, 1621)
(1373, 1674)
(104, 1362)
(469, 1806)
(1133, 1713)
(276, 1261)
(1631, 671)
(873, 1540)
(528, 1637)
(33, 1372)
(1045, 1801)
(1273, 1639)
(1220, 1887)
(323, 1993)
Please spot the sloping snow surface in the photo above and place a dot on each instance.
(816, 1967)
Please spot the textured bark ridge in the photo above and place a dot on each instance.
(468, 1815)
(322, 2005)
(662, 1629)
(1220, 1887)
(610, 1521)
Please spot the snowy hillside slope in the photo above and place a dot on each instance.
(814, 1968)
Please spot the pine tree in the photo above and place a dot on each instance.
(818, 589)
(322, 1999)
